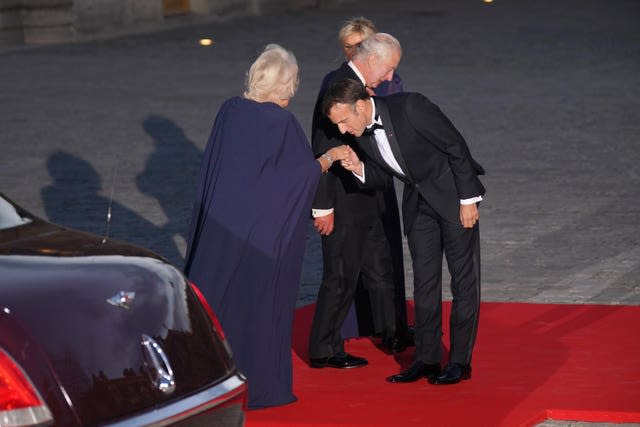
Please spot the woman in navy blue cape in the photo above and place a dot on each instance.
(247, 234)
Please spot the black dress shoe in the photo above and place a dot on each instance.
(453, 373)
(415, 372)
(338, 361)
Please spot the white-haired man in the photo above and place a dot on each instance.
(349, 219)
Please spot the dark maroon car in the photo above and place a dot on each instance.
(96, 332)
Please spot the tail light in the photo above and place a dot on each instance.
(20, 402)
(212, 315)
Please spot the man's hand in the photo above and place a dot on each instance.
(324, 224)
(469, 215)
(351, 162)
(340, 152)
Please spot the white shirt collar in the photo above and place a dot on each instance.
(358, 73)
(373, 114)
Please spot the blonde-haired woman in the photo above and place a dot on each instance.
(353, 32)
(247, 234)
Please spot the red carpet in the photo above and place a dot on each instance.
(531, 362)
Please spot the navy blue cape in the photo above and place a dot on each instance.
(247, 237)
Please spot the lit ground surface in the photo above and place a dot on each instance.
(546, 93)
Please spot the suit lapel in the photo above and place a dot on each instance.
(383, 111)
(371, 149)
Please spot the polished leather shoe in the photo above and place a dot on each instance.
(415, 372)
(453, 373)
(338, 361)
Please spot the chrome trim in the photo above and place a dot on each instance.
(31, 416)
(189, 406)
(157, 364)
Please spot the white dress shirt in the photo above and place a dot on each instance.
(385, 150)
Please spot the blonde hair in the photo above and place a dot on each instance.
(273, 76)
(359, 25)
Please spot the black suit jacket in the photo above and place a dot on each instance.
(337, 189)
(431, 152)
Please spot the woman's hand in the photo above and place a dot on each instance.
(333, 155)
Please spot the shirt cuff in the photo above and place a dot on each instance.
(471, 200)
(316, 213)
(360, 178)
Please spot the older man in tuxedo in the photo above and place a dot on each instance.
(407, 136)
(349, 220)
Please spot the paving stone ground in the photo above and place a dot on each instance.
(546, 94)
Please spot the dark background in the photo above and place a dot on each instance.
(545, 92)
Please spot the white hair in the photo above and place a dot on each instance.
(381, 45)
(273, 76)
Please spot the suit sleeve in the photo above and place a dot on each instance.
(375, 177)
(431, 123)
(324, 136)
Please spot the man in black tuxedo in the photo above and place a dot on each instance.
(407, 136)
(349, 220)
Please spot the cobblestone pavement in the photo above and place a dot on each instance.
(546, 93)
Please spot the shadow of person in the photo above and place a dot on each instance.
(169, 176)
(73, 200)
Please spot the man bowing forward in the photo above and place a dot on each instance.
(407, 136)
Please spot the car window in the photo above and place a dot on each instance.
(9, 217)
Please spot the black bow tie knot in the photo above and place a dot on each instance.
(370, 130)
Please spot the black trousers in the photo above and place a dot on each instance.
(372, 317)
(351, 249)
(430, 237)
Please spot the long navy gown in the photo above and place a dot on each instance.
(247, 237)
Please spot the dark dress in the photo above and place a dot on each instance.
(386, 88)
(247, 237)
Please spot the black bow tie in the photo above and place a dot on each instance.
(369, 131)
